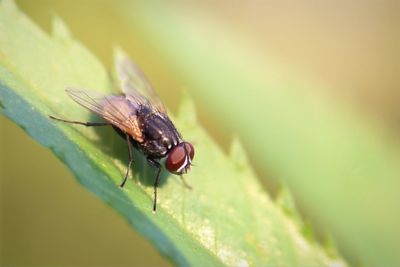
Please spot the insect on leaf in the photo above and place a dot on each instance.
(226, 220)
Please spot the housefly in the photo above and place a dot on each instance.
(139, 116)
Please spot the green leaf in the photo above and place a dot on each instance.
(227, 220)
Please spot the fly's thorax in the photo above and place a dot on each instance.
(160, 135)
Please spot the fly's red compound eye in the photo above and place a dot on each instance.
(190, 150)
(176, 160)
(179, 158)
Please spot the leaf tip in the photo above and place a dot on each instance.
(237, 153)
(330, 247)
(187, 110)
(307, 230)
(286, 202)
(60, 30)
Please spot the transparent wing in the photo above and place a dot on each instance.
(134, 83)
(118, 110)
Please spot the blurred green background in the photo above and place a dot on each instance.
(344, 51)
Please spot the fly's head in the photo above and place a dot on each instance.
(179, 158)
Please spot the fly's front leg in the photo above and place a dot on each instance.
(87, 124)
(157, 165)
(128, 140)
(185, 183)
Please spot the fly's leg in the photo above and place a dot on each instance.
(128, 140)
(185, 183)
(94, 124)
(88, 124)
(158, 166)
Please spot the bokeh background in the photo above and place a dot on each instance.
(319, 82)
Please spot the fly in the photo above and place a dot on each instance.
(139, 116)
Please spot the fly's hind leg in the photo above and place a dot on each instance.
(157, 165)
(94, 124)
(87, 124)
(130, 157)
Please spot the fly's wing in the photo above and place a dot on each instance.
(118, 110)
(134, 83)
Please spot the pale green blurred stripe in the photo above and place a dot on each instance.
(342, 166)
